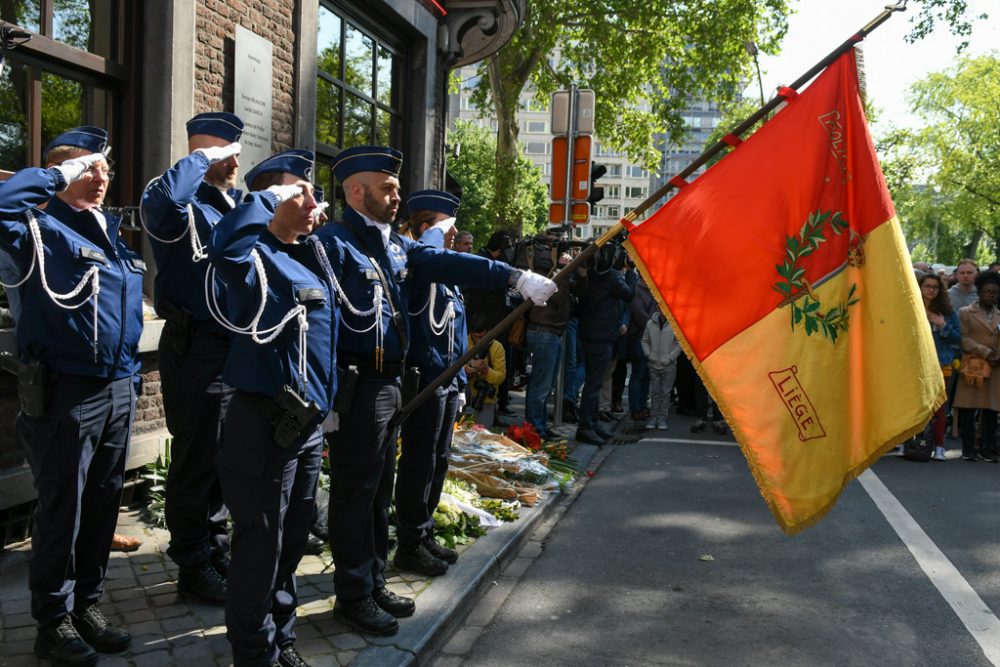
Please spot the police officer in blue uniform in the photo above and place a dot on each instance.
(75, 290)
(282, 366)
(179, 210)
(374, 267)
(438, 339)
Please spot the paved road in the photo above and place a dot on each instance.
(622, 579)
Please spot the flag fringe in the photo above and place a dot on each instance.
(788, 528)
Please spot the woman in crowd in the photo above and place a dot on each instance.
(980, 338)
(947, 333)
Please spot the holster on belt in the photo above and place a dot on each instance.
(347, 383)
(32, 383)
(410, 385)
(179, 321)
(294, 416)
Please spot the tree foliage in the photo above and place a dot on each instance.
(945, 177)
(645, 60)
(474, 168)
(955, 14)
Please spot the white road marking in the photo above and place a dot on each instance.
(691, 441)
(977, 617)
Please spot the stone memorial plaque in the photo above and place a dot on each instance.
(252, 94)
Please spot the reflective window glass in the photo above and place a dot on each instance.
(85, 24)
(62, 106)
(23, 13)
(327, 112)
(383, 129)
(14, 86)
(328, 42)
(357, 121)
(386, 74)
(358, 57)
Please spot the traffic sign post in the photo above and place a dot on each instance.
(572, 124)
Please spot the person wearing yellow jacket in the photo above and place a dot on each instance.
(485, 375)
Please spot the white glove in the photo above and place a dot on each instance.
(72, 170)
(444, 225)
(462, 400)
(331, 423)
(535, 287)
(219, 153)
(284, 192)
(320, 208)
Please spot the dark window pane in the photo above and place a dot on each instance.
(328, 42)
(324, 179)
(62, 106)
(357, 122)
(327, 112)
(85, 24)
(386, 74)
(358, 58)
(14, 85)
(24, 13)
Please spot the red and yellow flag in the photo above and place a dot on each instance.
(784, 272)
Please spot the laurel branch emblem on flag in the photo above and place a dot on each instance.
(796, 286)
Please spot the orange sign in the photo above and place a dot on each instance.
(580, 179)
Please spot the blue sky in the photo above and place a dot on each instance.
(891, 64)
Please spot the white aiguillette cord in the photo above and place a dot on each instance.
(38, 257)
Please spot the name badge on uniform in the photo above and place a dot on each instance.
(310, 295)
(92, 254)
(138, 264)
(371, 274)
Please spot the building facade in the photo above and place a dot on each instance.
(341, 73)
(626, 184)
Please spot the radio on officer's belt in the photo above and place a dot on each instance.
(32, 383)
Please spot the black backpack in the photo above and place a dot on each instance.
(918, 448)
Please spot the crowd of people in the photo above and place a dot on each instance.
(964, 320)
(284, 334)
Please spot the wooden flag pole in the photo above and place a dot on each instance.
(568, 270)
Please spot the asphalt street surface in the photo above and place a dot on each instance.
(669, 556)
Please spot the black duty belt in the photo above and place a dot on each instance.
(369, 368)
(261, 404)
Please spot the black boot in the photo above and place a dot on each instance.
(365, 615)
(289, 657)
(441, 552)
(393, 604)
(96, 631)
(418, 559)
(220, 561)
(202, 582)
(314, 545)
(63, 645)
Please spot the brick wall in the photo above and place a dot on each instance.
(149, 406)
(215, 23)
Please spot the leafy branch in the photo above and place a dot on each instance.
(795, 286)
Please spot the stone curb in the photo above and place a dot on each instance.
(448, 599)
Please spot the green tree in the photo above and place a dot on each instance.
(645, 60)
(475, 168)
(945, 177)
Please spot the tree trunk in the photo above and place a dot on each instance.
(973, 244)
(505, 102)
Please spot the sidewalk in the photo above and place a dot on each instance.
(141, 595)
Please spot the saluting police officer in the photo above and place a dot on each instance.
(75, 290)
(374, 265)
(438, 338)
(281, 298)
(179, 210)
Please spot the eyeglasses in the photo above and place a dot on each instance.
(106, 173)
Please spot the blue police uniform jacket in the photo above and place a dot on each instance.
(73, 243)
(294, 277)
(401, 261)
(429, 345)
(179, 279)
